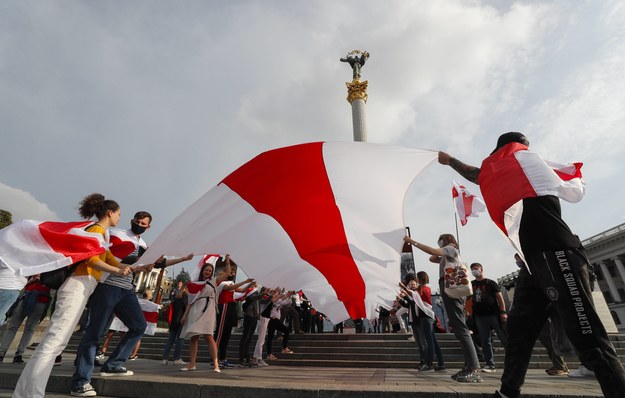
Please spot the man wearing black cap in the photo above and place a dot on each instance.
(556, 279)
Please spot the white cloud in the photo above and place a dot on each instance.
(23, 205)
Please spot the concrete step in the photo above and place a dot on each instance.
(338, 350)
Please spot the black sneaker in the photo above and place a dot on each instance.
(121, 371)
(455, 375)
(469, 376)
(58, 360)
(86, 390)
(18, 359)
(440, 368)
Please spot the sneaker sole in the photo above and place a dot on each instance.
(469, 380)
(107, 374)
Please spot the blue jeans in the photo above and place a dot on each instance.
(32, 320)
(431, 344)
(173, 338)
(484, 324)
(108, 299)
(417, 333)
(7, 298)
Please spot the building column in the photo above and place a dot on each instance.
(620, 267)
(608, 278)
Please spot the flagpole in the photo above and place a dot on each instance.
(456, 220)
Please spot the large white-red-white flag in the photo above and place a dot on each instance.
(30, 247)
(466, 203)
(514, 173)
(324, 217)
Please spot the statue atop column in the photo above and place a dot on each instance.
(356, 60)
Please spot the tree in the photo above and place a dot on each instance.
(182, 276)
(6, 218)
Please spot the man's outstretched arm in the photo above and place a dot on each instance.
(471, 173)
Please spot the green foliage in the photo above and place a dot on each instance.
(6, 218)
(182, 276)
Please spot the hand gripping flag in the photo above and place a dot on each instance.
(30, 247)
(514, 173)
(466, 204)
(324, 217)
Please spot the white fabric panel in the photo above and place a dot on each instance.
(221, 222)
(369, 182)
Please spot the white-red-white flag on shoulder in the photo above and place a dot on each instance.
(466, 203)
(30, 247)
(322, 217)
(514, 173)
(123, 244)
(194, 286)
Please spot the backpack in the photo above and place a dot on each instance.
(54, 279)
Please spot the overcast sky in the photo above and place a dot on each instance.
(152, 103)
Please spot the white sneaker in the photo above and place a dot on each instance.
(164, 362)
(179, 362)
(581, 372)
(262, 363)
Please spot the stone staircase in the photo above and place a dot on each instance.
(353, 350)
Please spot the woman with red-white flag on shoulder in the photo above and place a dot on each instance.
(71, 298)
(200, 316)
(522, 191)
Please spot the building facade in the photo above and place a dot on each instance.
(606, 252)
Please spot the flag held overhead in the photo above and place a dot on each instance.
(323, 217)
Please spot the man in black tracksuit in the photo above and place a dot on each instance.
(556, 280)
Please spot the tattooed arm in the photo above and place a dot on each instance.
(471, 173)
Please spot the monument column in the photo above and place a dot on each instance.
(357, 93)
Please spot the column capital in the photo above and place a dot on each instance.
(357, 90)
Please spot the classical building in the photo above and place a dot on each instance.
(606, 252)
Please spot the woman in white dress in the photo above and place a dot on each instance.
(200, 316)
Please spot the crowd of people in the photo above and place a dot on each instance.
(552, 286)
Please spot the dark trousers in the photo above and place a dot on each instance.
(545, 339)
(558, 284)
(249, 325)
(226, 318)
(105, 300)
(275, 324)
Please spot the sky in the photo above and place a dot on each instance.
(152, 103)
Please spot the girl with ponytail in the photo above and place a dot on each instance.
(71, 298)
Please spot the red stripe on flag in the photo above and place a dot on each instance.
(298, 195)
(195, 287)
(61, 240)
(577, 173)
(503, 166)
(121, 248)
(151, 317)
